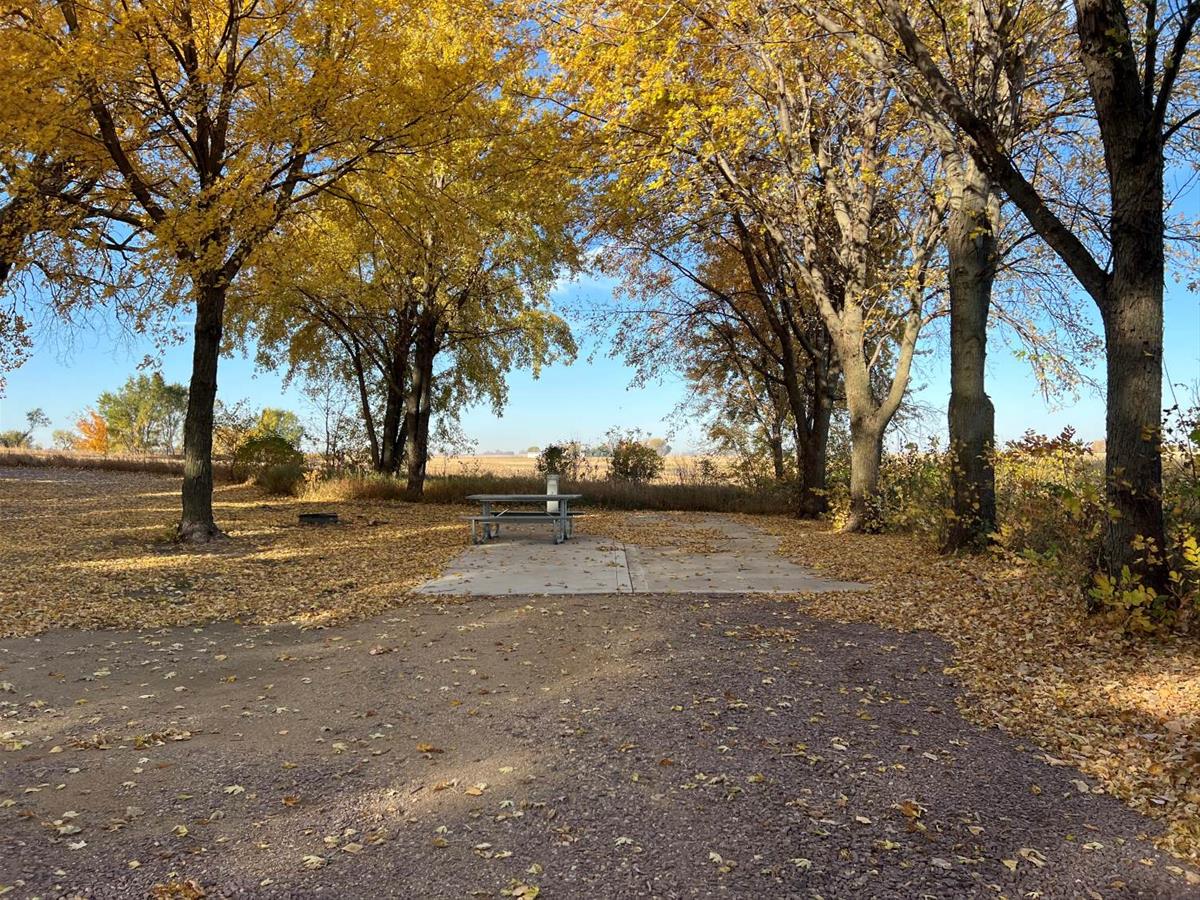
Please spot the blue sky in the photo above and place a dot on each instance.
(580, 401)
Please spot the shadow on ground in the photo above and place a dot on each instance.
(619, 746)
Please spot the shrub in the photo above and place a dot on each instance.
(371, 486)
(1050, 502)
(566, 460)
(280, 478)
(257, 454)
(634, 461)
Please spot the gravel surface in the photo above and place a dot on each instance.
(589, 747)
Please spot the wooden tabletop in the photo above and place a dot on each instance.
(521, 498)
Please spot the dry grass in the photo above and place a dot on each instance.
(94, 550)
(1125, 711)
(115, 462)
(455, 489)
(677, 467)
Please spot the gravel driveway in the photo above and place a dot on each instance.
(588, 747)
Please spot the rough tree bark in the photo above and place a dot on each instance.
(866, 453)
(1131, 89)
(394, 420)
(417, 409)
(775, 440)
(197, 525)
(814, 456)
(802, 340)
(1133, 332)
(972, 253)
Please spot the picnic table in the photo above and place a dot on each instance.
(491, 519)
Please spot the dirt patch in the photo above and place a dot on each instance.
(586, 747)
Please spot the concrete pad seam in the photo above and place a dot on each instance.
(639, 582)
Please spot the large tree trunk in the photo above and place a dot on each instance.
(775, 441)
(394, 422)
(1133, 331)
(1131, 102)
(416, 452)
(392, 447)
(197, 524)
(416, 414)
(364, 400)
(420, 457)
(866, 453)
(809, 404)
(813, 456)
(971, 247)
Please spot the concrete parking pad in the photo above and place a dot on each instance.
(524, 561)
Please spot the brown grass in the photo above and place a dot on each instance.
(455, 489)
(115, 462)
(677, 467)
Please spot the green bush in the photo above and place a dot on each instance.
(281, 478)
(634, 461)
(1050, 502)
(567, 460)
(255, 455)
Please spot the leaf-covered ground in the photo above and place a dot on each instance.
(574, 747)
(1125, 711)
(650, 746)
(93, 549)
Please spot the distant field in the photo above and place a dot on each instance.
(679, 466)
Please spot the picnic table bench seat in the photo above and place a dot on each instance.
(562, 518)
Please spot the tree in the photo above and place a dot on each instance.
(634, 461)
(34, 419)
(93, 433)
(814, 153)
(336, 429)
(46, 178)
(281, 422)
(1143, 96)
(145, 415)
(428, 281)
(746, 410)
(713, 300)
(216, 121)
